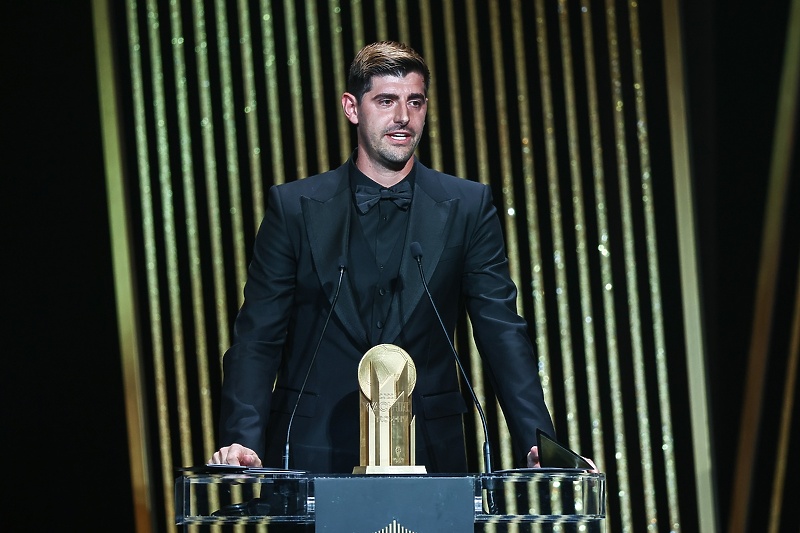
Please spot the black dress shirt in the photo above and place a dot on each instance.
(377, 241)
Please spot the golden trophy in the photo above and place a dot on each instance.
(386, 376)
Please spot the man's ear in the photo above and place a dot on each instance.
(350, 107)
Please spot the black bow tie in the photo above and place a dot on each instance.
(366, 197)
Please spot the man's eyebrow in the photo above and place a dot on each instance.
(395, 96)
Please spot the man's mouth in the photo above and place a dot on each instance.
(399, 135)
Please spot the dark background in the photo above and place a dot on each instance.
(63, 404)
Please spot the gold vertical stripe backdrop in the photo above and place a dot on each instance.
(596, 168)
(204, 111)
(532, 226)
(318, 95)
(153, 289)
(233, 173)
(456, 116)
(507, 201)
(654, 276)
(580, 226)
(186, 175)
(339, 65)
(297, 87)
(629, 254)
(780, 172)
(273, 101)
(528, 177)
(576, 189)
(610, 323)
(251, 106)
(432, 121)
(110, 102)
(687, 265)
(561, 293)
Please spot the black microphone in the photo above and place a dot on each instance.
(416, 253)
(342, 269)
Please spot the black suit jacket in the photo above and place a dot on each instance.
(291, 282)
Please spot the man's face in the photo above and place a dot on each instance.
(390, 119)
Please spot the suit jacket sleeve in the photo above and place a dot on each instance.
(501, 335)
(260, 329)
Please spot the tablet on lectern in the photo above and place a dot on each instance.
(553, 454)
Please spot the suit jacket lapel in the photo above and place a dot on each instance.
(428, 225)
(327, 219)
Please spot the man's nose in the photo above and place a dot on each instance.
(401, 115)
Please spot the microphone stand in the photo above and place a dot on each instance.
(342, 269)
(416, 253)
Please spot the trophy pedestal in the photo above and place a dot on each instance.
(400, 469)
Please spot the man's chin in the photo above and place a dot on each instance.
(396, 160)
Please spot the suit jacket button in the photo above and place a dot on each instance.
(379, 324)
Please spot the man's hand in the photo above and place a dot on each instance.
(533, 457)
(594, 466)
(236, 454)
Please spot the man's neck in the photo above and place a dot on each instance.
(385, 177)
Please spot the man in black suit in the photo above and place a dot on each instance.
(316, 225)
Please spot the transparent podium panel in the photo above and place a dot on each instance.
(207, 495)
(544, 496)
(526, 500)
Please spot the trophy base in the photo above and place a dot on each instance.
(392, 469)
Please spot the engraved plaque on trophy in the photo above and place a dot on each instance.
(386, 376)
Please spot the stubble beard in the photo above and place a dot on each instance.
(395, 157)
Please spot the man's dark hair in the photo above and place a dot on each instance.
(384, 58)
